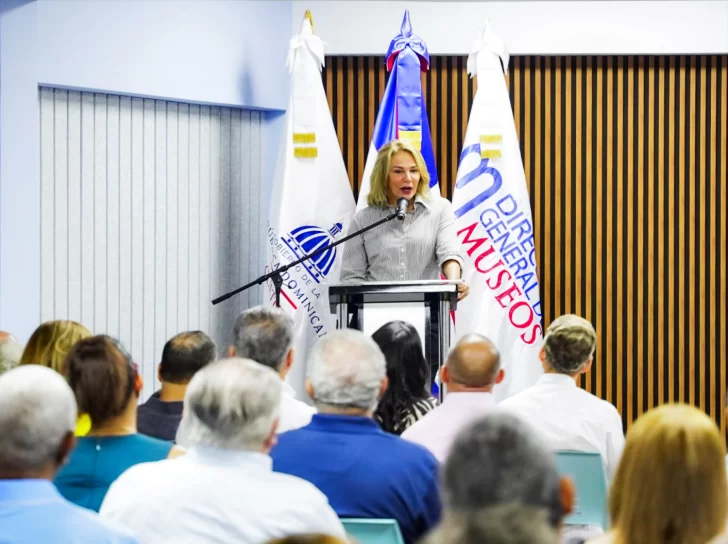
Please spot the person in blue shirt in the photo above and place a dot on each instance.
(364, 472)
(37, 420)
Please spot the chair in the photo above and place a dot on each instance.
(373, 531)
(587, 472)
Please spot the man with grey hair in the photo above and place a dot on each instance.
(10, 352)
(502, 524)
(37, 419)
(568, 417)
(499, 460)
(265, 335)
(223, 489)
(365, 472)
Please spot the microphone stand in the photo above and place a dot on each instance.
(276, 274)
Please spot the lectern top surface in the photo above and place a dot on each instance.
(401, 283)
(425, 286)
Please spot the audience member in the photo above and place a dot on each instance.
(106, 384)
(501, 524)
(472, 369)
(265, 335)
(49, 346)
(568, 417)
(499, 459)
(223, 489)
(182, 356)
(10, 352)
(37, 417)
(671, 482)
(51, 342)
(365, 472)
(407, 397)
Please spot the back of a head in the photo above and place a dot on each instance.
(670, 485)
(10, 352)
(501, 524)
(263, 334)
(102, 376)
(37, 410)
(473, 362)
(184, 354)
(407, 370)
(498, 459)
(51, 342)
(346, 369)
(231, 404)
(569, 343)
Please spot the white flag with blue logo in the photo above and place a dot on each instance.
(402, 114)
(495, 226)
(311, 204)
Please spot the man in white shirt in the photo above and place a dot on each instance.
(568, 417)
(265, 335)
(472, 369)
(223, 489)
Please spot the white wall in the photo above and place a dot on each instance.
(224, 52)
(582, 27)
(19, 167)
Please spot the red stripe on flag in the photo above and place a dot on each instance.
(288, 299)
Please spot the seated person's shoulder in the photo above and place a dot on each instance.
(399, 451)
(95, 528)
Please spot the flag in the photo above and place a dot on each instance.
(311, 202)
(494, 225)
(402, 114)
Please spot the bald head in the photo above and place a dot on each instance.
(474, 362)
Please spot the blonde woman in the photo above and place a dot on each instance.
(423, 245)
(49, 345)
(51, 342)
(670, 486)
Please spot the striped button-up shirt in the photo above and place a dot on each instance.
(409, 250)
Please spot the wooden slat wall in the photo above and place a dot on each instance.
(626, 164)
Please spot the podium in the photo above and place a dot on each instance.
(429, 302)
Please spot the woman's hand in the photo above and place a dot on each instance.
(463, 289)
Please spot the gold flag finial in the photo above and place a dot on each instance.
(310, 19)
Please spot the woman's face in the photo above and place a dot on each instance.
(404, 177)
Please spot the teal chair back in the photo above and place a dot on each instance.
(373, 531)
(587, 472)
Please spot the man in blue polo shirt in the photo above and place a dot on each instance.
(37, 419)
(364, 472)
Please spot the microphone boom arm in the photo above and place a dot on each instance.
(275, 275)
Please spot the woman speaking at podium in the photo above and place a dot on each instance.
(420, 247)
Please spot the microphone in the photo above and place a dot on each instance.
(402, 204)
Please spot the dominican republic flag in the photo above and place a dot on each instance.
(494, 225)
(311, 203)
(402, 114)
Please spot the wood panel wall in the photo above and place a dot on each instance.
(625, 159)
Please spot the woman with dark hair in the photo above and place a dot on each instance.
(106, 384)
(407, 398)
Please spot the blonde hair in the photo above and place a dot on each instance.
(377, 196)
(51, 342)
(670, 485)
(569, 343)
